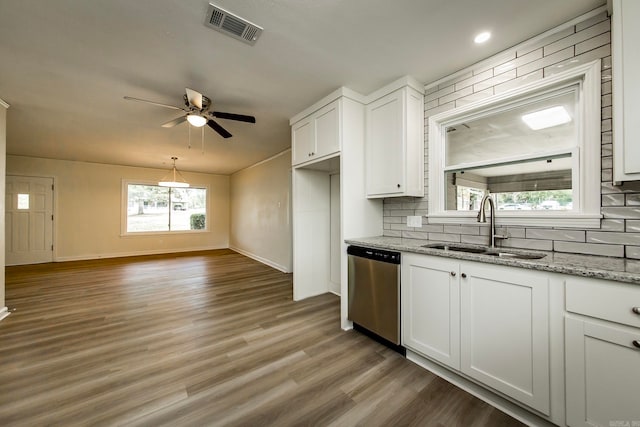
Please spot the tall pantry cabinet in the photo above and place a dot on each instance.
(328, 140)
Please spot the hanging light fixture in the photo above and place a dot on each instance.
(173, 178)
(196, 120)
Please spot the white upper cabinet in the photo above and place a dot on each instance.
(626, 90)
(316, 136)
(394, 144)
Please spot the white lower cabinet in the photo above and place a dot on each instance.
(489, 322)
(431, 307)
(505, 331)
(602, 349)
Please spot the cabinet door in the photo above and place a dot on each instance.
(385, 148)
(505, 331)
(626, 89)
(327, 131)
(302, 141)
(430, 307)
(602, 374)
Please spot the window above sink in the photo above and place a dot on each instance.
(535, 149)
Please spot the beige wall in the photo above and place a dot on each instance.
(261, 213)
(3, 149)
(88, 203)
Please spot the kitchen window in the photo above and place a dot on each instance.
(535, 150)
(150, 208)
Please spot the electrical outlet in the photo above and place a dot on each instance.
(414, 221)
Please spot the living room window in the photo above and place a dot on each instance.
(150, 208)
(535, 150)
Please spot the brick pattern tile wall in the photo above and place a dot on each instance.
(619, 233)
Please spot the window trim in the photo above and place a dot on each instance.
(124, 208)
(586, 212)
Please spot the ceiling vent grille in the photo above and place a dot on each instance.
(232, 25)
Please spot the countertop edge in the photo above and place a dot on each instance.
(618, 269)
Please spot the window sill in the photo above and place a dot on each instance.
(522, 219)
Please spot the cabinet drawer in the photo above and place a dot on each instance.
(602, 299)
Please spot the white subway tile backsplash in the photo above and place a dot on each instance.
(474, 79)
(633, 199)
(568, 235)
(612, 224)
(541, 245)
(546, 61)
(593, 43)
(462, 229)
(536, 75)
(473, 240)
(445, 237)
(439, 93)
(392, 233)
(577, 38)
(546, 41)
(613, 238)
(589, 248)
(477, 96)
(586, 57)
(606, 150)
(632, 226)
(621, 212)
(612, 200)
(488, 84)
(457, 94)
(632, 252)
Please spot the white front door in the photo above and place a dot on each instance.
(28, 220)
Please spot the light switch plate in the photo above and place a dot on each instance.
(414, 221)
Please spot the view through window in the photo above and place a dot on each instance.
(151, 208)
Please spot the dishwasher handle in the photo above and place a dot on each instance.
(374, 254)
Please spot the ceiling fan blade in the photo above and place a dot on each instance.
(172, 123)
(129, 98)
(222, 131)
(195, 98)
(231, 116)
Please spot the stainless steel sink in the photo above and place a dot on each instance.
(485, 251)
(457, 248)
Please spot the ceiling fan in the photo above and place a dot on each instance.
(197, 106)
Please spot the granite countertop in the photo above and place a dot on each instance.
(620, 269)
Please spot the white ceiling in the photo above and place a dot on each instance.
(65, 66)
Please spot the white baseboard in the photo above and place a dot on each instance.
(4, 312)
(136, 253)
(263, 260)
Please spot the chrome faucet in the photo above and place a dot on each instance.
(482, 217)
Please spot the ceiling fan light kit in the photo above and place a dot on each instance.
(173, 178)
(196, 120)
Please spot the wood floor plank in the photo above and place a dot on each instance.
(202, 338)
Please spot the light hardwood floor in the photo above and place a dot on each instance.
(207, 338)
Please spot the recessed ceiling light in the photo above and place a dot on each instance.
(482, 37)
(547, 118)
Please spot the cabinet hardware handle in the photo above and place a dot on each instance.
(636, 310)
(464, 275)
(453, 274)
(636, 343)
(398, 185)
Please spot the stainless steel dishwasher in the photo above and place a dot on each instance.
(374, 291)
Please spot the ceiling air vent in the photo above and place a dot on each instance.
(232, 25)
